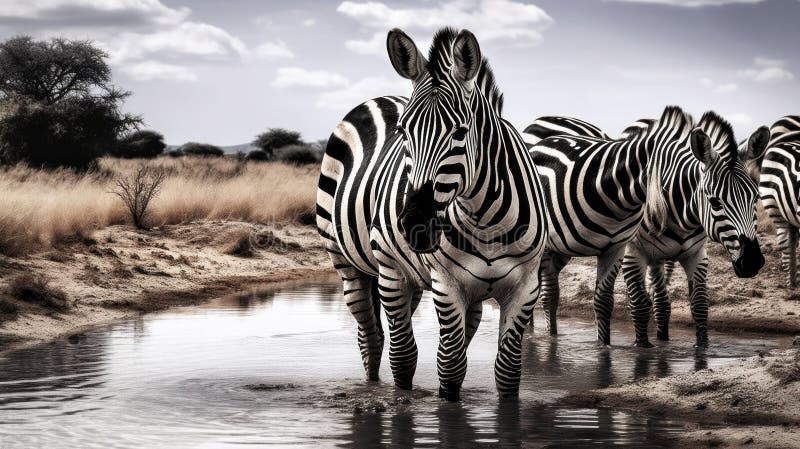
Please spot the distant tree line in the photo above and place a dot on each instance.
(58, 108)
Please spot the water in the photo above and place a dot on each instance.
(282, 368)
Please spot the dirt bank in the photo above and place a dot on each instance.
(751, 403)
(759, 304)
(119, 272)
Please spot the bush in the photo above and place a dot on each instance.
(175, 153)
(298, 154)
(138, 189)
(142, 144)
(36, 288)
(276, 138)
(71, 133)
(258, 155)
(201, 149)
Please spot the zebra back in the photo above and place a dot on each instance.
(549, 126)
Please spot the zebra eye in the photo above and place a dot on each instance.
(460, 133)
(715, 203)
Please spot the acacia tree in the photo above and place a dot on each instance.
(275, 138)
(58, 105)
(140, 144)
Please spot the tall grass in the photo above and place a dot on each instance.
(41, 208)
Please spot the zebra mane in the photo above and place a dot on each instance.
(679, 124)
(721, 134)
(440, 61)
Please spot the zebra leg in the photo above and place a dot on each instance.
(661, 305)
(552, 264)
(633, 271)
(361, 297)
(608, 265)
(415, 298)
(514, 317)
(696, 267)
(397, 300)
(474, 314)
(451, 358)
(787, 239)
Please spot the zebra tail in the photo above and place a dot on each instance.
(655, 209)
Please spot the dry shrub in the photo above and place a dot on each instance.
(39, 208)
(240, 245)
(138, 189)
(36, 288)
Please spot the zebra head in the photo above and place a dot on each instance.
(436, 128)
(727, 193)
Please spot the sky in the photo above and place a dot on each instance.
(223, 71)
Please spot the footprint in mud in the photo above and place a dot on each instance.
(369, 399)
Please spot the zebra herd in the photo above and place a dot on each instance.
(438, 192)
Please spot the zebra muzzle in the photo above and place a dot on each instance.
(418, 220)
(750, 259)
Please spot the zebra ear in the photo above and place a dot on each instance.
(406, 58)
(756, 145)
(466, 57)
(701, 147)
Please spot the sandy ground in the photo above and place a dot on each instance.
(119, 272)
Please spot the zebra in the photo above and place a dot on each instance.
(701, 190)
(435, 192)
(779, 187)
(596, 189)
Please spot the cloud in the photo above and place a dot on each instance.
(309, 22)
(692, 3)
(272, 50)
(356, 93)
(90, 13)
(724, 88)
(188, 40)
(490, 20)
(766, 70)
(300, 77)
(154, 70)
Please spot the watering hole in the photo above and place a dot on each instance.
(282, 368)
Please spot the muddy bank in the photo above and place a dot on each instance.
(118, 272)
(760, 304)
(752, 402)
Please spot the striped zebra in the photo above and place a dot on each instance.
(701, 191)
(779, 185)
(434, 192)
(596, 189)
(554, 125)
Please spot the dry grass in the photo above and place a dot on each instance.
(36, 289)
(41, 208)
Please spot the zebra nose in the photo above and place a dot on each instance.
(418, 220)
(750, 259)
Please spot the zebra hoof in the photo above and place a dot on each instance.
(662, 336)
(643, 344)
(450, 393)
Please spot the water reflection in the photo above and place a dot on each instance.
(267, 368)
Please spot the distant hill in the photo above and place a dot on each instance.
(230, 149)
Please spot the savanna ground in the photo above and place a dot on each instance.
(69, 258)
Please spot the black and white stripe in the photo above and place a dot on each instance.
(705, 193)
(435, 192)
(554, 125)
(779, 186)
(595, 190)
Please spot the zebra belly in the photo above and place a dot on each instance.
(669, 245)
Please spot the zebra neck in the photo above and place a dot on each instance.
(692, 202)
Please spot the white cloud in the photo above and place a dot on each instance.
(189, 39)
(309, 22)
(490, 20)
(272, 50)
(300, 77)
(692, 3)
(154, 70)
(724, 88)
(766, 70)
(99, 13)
(356, 93)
